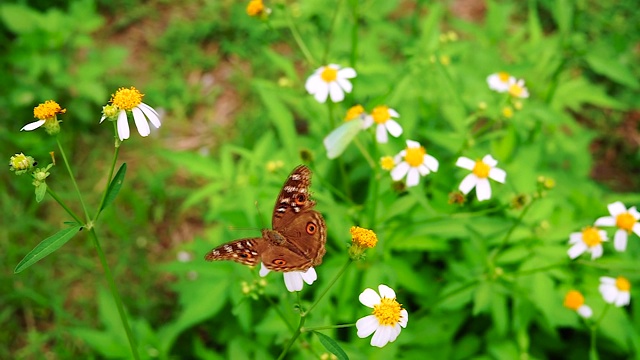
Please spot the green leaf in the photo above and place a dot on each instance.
(19, 19)
(114, 186)
(332, 346)
(482, 298)
(46, 247)
(41, 190)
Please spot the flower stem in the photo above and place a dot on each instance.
(115, 294)
(329, 36)
(507, 236)
(326, 327)
(73, 179)
(324, 292)
(297, 37)
(354, 33)
(64, 206)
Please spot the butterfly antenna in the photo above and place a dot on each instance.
(262, 226)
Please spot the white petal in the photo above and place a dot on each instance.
(585, 311)
(498, 175)
(616, 208)
(293, 281)
(151, 114)
(423, 169)
(386, 292)
(620, 240)
(336, 93)
(141, 122)
(596, 251)
(608, 280)
(102, 118)
(404, 318)
(636, 229)
(489, 160)
(413, 144)
(368, 121)
(123, 125)
(393, 127)
(367, 325)
(309, 276)
(393, 113)
(483, 190)
(346, 73)
(465, 163)
(468, 183)
(321, 94)
(34, 125)
(369, 298)
(381, 134)
(398, 158)
(605, 221)
(395, 331)
(313, 83)
(634, 213)
(413, 177)
(577, 250)
(575, 237)
(400, 171)
(263, 270)
(381, 336)
(603, 235)
(609, 292)
(624, 298)
(345, 85)
(431, 162)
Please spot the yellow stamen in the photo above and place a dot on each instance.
(623, 284)
(387, 163)
(329, 74)
(516, 90)
(415, 156)
(591, 237)
(364, 238)
(503, 76)
(255, 8)
(573, 300)
(48, 110)
(387, 312)
(507, 112)
(127, 99)
(481, 169)
(381, 114)
(625, 221)
(354, 112)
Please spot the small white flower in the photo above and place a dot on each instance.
(590, 240)
(293, 280)
(481, 172)
(130, 100)
(517, 89)
(413, 162)
(575, 301)
(499, 81)
(387, 319)
(625, 220)
(615, 291)
(330, 80)
(382, 115)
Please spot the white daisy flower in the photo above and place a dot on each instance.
(481, 172)
(517, 89)
(382, 115)
(413, 162)
(499, 81)
(575, 301)
(330, 80)
(387, 319)
(590, 240)
(615, 291)
(47, 115)
(293, 280)
(130, 101)
(625, 220)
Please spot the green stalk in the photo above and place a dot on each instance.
(64, 206)
(115, 295)
(507, 236)
(330, 34)
(293, 339)
(297, 37)
(73, 179)
(109, 178)
(324, 292)
(326, 327)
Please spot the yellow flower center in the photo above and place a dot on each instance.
(623, 284)
(625, 221)
(381, 114)
(387, 312)
(591, 237)
(573, 300)
(481, 169)
(364, 238)
(516, 90)
(507, 112)
(127, 99)
(48, 110)
(503, 76)
(255, 7)
(387, 163)
(415, 156)
(329, 74)
(354, 112)
(19, 162)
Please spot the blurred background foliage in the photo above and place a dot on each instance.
(236, 117)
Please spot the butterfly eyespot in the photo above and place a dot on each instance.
(311, 228)
(243, 255)
(279, 262)
(300, 199)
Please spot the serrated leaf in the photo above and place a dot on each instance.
(114, 186)
(332, 346)
(41, 191)
(46, 247)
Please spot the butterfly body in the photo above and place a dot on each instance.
(297, 239)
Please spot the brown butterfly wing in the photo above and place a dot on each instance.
(294, 198)
(245, 251)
